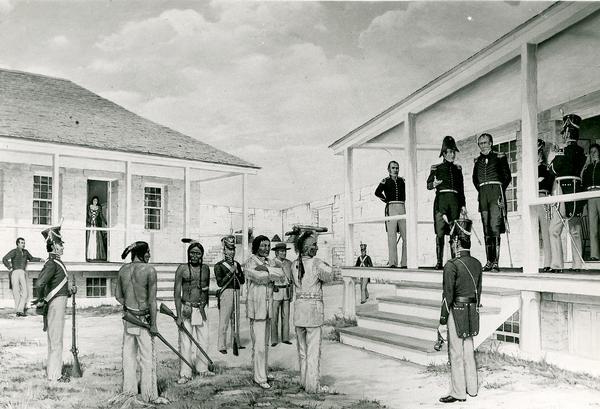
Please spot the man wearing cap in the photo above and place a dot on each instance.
(545, 182)
(53, 290)
(16, 263)
(491, 177)
(447, 180)
(261, 274)
(567, 165)
(459, 317)
(309, 273)
(391, 191)
(136, 291)
(363, 261)
(191, 297)
(230, 277)
(591, 181)
(282, 295)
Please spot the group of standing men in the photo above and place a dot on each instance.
(566, 173)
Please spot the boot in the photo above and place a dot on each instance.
(439, 251)
(496, 254)
(489, 249)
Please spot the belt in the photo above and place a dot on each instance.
(139, 313)
(544, 191)
(466, 299)
(283, 286)
(593, 188)
(493, 182)
(447, 191)
(309, 296)
(194, 304)
(395, 202)
(571, 178)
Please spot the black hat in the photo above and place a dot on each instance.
(448, 143)
(363, 246)
(228, 242)
(275, 239)
(570, 127)
(52, 234)
(541, 144)
(461, 229)
(280, 246)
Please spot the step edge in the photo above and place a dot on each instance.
(399, 344)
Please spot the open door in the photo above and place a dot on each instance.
(97, 217)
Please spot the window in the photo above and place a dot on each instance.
(95, 287)
(42, 200)
(152, 207)
(509, 331)
(510, 149)
(314, 215)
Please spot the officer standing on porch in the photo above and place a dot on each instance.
(567, 166)
(459, 316)
(391, 191)
(545, 182)
(591, 181)
(447, 180)
(491, 177)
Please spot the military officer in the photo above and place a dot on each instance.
(491, 177)
(54, 289)
(591, 181)
(567, 166)
(447, 180)
(545, 181)
(460, 314)
(391, 191)
(282, 296)
(364, 261)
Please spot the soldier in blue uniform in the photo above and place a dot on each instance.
(491, 177)
(391, 191)
(591, 181)
(567, 166)
(447, 180)
(460, 313)
(364, 261)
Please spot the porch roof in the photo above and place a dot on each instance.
(45, 109)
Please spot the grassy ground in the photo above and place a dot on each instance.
(333, 325)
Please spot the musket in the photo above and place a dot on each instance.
(76, 368)
(132, 319)
(167, 311)
(234, 323)
(502, 206)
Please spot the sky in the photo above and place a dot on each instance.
(274, 83)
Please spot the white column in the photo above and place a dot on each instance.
(529, 170)
(244, 217)
(55, 189)
(128, 232)
(349, 296)
(530, 341)
(412, 200)
(187, 198)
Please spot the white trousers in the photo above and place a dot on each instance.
(463, 371)
(225, 316)
(20, 290)
(556, 228)
(190, 351)
(392, 226)
(309, 357)
(56, 327)
(594, 214)
(139, 347)
(544, 225)
(259, 332)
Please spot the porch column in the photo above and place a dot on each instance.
(412, 233)
(349, 296)
(55, 189)
(128, 233)
(530, 341)
(186, 206)
(529, 134)
(244, 217)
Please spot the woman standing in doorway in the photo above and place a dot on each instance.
(96, 248)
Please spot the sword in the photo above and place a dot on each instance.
(565, 225)
(502, 205)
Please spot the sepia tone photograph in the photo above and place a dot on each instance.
(299, 204)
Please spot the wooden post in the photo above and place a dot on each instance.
(412, 233)
(55, 189)
(128, 232)
(529, 169)
(349, 296)
(244, 217)
(186, 206)
(530, 339)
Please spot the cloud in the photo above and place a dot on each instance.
(59, 41)
(6, 6)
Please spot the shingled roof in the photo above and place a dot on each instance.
(46, 109)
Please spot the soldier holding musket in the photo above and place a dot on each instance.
(491, 177)
(447, 180)
(567, 166)
(460, 313)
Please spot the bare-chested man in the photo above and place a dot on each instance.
(136, 291)
(191, 298)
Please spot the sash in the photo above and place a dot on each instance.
(362, 261)
(56, 289)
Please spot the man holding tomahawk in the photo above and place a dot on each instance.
(191, 298)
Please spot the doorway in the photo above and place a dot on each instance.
(97, 215)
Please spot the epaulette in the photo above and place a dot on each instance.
(434, 167)
(458, 166)
(475, 159)
(383, 181)
(500, 154)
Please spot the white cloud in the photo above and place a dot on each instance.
(59, 41)
(6, 6)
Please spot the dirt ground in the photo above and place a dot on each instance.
(357, 378)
